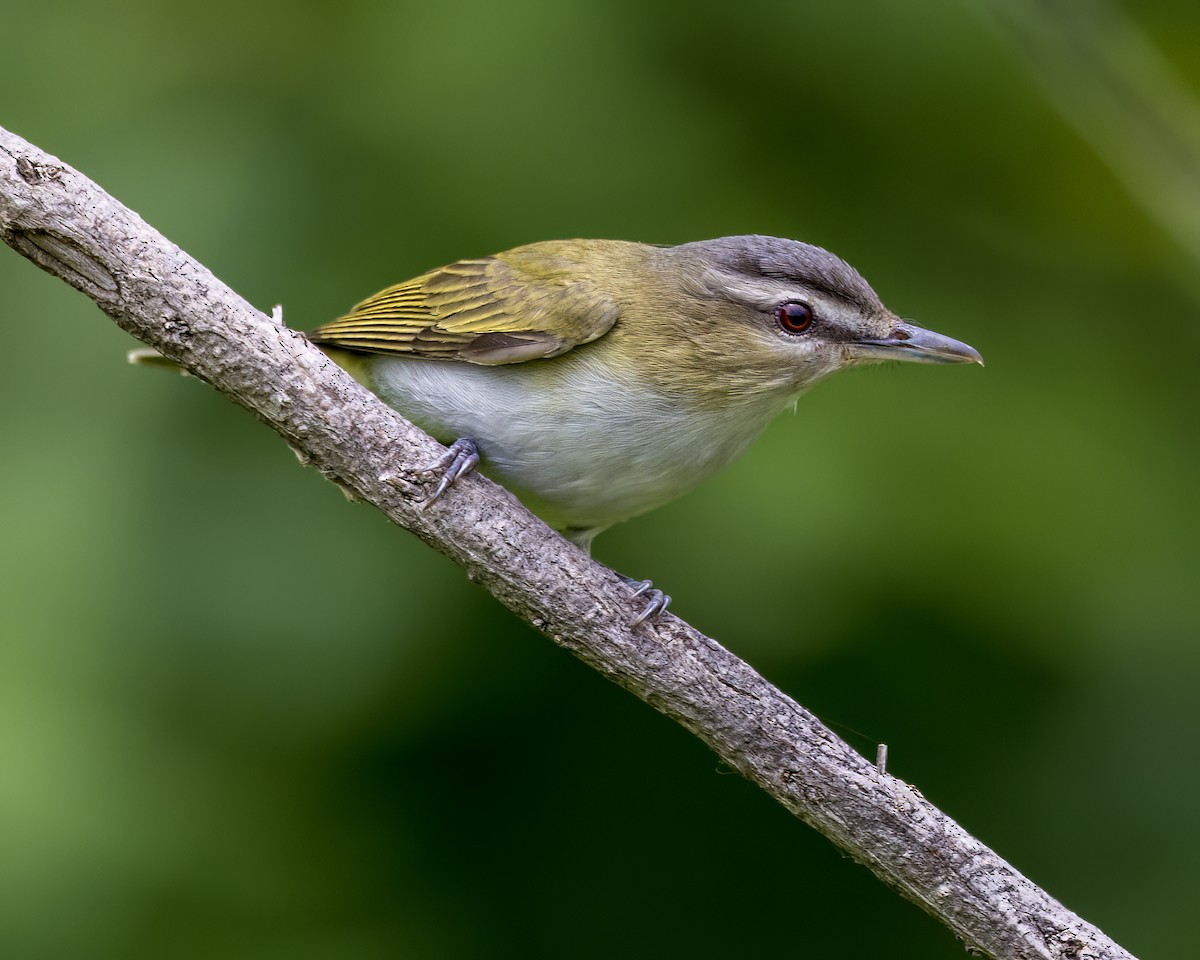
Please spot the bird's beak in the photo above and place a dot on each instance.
(917, 345)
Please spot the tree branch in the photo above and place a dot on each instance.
(71, 228)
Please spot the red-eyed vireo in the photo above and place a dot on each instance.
(598, 379)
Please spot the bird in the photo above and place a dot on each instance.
(599, 379)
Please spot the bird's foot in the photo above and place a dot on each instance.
(656, 600)
(460, 458)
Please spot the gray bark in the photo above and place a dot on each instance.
(71, 228)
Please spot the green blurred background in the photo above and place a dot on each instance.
(242, 717)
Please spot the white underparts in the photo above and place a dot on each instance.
(581, 447)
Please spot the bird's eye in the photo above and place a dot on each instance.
(794, 316)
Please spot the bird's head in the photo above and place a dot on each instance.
(757, 314)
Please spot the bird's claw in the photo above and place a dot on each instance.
(460, 458)
(657, 601)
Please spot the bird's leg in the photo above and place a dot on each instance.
(460, 458)
(657, 601)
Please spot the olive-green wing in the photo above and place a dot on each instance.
(489, 311)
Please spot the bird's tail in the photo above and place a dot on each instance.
(355, 364)
(149, 357)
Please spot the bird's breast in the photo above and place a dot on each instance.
(582, 447)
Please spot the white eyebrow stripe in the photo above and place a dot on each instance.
(765, 293)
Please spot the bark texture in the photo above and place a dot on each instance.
(71, 228)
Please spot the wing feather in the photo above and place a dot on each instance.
(504, 309)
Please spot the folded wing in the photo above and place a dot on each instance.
(489, 311)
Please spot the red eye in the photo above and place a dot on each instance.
(794, 317)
